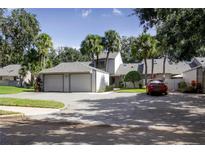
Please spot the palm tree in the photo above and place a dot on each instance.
(164, 49)
(153, 54)
(44, 45)
(92, 46)
(22, 73)
(142, 49)
(112, 43)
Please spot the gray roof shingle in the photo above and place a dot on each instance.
(125, 68)
(10, 70)
(172, 68)
(70, 67)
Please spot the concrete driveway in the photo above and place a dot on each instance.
(175, 118)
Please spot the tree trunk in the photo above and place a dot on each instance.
(133, 84)
(44, 62)
(21, 81)
(145, 62)
(106, 61)
(41, 61)
(164, 65)
(97, 61)
(152, 70)
(93, 60)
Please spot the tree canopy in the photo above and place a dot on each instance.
(132, 76)
(92, 46)
(182, 30)
(111, 43)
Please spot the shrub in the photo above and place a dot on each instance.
(121, 84)
(199, 88)
(140, 85)
(132, 76)
(109, 88)
(182, 86)
(193, 83)
(37, 85)
(190, 89)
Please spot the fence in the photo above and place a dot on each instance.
(173, 84)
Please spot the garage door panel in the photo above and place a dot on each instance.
(80, 83)
(53, 83)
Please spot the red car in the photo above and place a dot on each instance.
(156, 86)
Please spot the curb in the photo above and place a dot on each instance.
(13, 117)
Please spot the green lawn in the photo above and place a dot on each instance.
(124, 90)
(30, 103)
(3, 112)
(13, 90)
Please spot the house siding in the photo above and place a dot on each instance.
(117, 62)
(102, 80)
(189, 76)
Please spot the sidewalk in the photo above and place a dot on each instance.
(29, 111)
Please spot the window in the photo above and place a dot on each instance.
(0, 77)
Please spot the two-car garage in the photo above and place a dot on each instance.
(68, 82)
(63, 78)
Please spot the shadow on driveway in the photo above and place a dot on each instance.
(140, 119)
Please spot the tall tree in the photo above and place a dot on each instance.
(22, 72)
(2, 43)
(112, 43)
(19, 30)
(143, 49)
(183, 29)
(44, 45)
(92, 46)
(68, 54)
(154, 53)
(126, 44)
(32, 63)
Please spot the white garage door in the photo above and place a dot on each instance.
(80, 83)
(53, 83)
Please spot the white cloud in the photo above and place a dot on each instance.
(116, 12)
(86, 12)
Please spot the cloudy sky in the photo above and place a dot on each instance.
(68, 27)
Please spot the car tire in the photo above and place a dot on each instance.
(165, 93)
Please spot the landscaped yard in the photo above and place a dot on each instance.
(13, 90)
(131, 90)
(30, 103)
(3, 112)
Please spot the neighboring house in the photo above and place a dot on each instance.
(9, 76)
(173, 71)
(74, 77)
(197, 72)
(118, 69)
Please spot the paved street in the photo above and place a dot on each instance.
(119, 118)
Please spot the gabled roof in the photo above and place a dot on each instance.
(70, 67)
(125, 68)
(111, 55)
(170, 67)
(10, 70)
